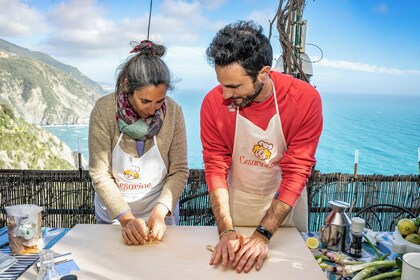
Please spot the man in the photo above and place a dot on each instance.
(259, 131)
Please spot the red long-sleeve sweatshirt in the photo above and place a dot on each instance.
(301, 118)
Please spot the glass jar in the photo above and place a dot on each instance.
(47, 270)
(357, 228)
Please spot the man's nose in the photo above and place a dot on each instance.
(227, 93)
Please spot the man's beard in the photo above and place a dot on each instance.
(245, 101)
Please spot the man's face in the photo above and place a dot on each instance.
(237, 84)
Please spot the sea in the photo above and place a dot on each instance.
(380, 132)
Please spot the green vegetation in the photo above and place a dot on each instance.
(24, 145)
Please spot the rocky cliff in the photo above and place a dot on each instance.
(42, 90)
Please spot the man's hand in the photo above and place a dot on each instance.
(135, 232)
(252, 252)
(225, 250)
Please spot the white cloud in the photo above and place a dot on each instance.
(18, 19)
(212, 4)
(364, 67)
(263, 18)
(180, 9)
(81, 28)
(189, 65)
(183, 23)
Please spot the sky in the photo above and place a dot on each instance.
(361, 47)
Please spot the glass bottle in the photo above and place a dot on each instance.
(47, 270)
(357, 228)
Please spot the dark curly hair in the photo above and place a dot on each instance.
(242, 42)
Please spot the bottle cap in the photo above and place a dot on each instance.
(357, 224)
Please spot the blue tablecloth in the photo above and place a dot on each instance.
(383, 244)
(50, 237)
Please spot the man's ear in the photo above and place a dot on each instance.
(264, 73)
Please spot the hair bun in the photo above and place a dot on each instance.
(147, 47)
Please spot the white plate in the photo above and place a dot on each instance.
(402, 246)
(6, 261)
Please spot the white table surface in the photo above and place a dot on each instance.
(101, 254)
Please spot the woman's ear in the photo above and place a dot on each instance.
(125, 84)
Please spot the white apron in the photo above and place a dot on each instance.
(255, 175)
(140, 181)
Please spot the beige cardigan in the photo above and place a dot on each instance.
(103, 136)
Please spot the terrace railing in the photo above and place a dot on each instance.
(67, 196)
(401, 191)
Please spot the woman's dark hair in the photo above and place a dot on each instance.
(145, 68)
(242, 42)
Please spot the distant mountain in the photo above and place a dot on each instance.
(43, 90)
(45, 58)
(107, 87)
(25, 146)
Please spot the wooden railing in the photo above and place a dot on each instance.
(67, 196)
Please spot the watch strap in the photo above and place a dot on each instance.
(264, 232)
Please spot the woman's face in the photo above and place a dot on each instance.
(146, 101)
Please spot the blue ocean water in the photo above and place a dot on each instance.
(75, 136)
(385, 129)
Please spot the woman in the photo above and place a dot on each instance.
(138, 149)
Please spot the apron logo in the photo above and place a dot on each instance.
(132, 173)
(262, 150)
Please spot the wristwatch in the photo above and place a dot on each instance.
(265, 232)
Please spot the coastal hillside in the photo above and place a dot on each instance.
(26, 146)
(42, 90)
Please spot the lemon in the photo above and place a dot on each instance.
(406, 226)
(323, 265)
(413, 238)
(312, 242)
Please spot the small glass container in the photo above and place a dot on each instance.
(357, 228)
(47, 270)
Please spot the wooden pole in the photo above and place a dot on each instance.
(79, 157)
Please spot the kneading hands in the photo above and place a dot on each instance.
(240, 251)
(137, 232)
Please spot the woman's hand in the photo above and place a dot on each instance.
(157, 222)
(135, 231)
(225, 250)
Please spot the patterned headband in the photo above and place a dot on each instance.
(141, 46)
